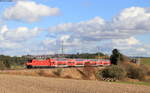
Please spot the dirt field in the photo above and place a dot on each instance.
(29, 84)
(74, 73)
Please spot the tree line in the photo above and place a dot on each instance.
(88, 55)
(7, 62)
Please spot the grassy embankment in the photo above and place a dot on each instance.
(137, 83)
(145, 61)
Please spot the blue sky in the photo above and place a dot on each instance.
(78, 10)
(72, 24)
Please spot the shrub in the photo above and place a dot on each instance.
(68, 77)
(112, 72)
(58, 71)
(148, 73)
(146, 69)
(2, 65)
(89, 71)
(135, 72)
(41, 73)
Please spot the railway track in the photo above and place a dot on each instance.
(49, 68)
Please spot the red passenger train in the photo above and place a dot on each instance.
(65, 62)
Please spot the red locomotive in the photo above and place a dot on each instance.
(64, 62)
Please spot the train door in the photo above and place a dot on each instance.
(71, 62)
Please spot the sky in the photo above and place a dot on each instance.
(40, 26)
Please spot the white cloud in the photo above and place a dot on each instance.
(65, 37)
(12, 40)
(121, 30)
(141, 49)
(130, 22)
(128, 41)
(90, 29)
(29, 11)
(87, 35)
(11, 0)
(18, 0)
(134, 20)
(9, 45)
(19, 34)
(48, 41)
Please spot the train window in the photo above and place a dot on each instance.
(70, 62)
(87, 62)
(93, 59)
(80, 59)
(61, 59)
(61, 63)
(79, 64)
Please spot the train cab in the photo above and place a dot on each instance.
(79, 62)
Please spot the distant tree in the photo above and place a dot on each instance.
(85, 55)
(7, 64)
(2, 65)
(118, 58)
(115, 57)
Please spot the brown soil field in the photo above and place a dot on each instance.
(31, 84)
(74, 73)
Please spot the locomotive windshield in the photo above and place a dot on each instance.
(30, 60)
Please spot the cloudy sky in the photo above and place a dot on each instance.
(40, 26)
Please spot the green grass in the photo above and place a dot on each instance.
(136, 83)
(17, 67)
(145, 61)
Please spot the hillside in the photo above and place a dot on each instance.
(74, 73)
(29, 84)
(145, 61)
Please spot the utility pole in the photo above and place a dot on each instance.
(62, 48)
(98, 52)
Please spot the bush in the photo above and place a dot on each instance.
(112, 72)
(135, 72)
(89, 71)
(41, 73)
(146, 69)
(58, 72)
(2, 65)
